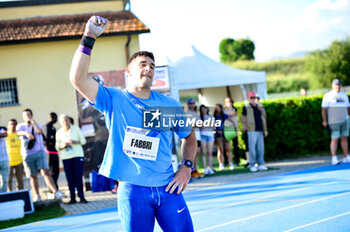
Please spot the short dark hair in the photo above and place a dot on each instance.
(141, 53)
(71, 120)
(53, 115)
(28, 110)
(13, 120)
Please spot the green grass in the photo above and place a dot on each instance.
(53, 211)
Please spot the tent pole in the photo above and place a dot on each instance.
(228, 92)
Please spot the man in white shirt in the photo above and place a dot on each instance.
(335, 110)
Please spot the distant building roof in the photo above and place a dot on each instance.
(66, 27)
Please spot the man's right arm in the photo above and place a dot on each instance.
(88, 87)
(324, 117)
(244, 119)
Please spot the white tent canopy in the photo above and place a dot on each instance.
(200, 72)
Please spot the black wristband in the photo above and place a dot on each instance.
(87, 41)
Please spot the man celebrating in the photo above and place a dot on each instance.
(335, 108)
(147, 183)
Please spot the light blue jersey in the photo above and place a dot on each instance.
(121, 113)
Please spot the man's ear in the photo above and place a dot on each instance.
(127, 70)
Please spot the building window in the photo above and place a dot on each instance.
(8, 92)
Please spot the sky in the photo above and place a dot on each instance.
(277, 28)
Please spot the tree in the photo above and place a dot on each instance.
(247, 48)
(328, 64)
(233, 50)
(226, 49)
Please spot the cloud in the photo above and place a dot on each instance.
(318, 26)
(330, 5)
(323, 16)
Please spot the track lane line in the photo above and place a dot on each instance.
(264, 197)
(273, 211)
(313, 223)
(247, 201)
(86, 224)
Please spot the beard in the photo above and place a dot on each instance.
(144, 82)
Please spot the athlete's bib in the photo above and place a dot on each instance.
(139, 143)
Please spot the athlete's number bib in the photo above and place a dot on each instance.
(138, 145)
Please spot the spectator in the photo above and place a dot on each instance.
(4, 160)
(13, 143)
(192, 114)
(303, 92)
(254, 122)
(220, 140)
(71, 120)
(335, 110)
(207, 141)
(245, 139)
(51, 147)
(231, 111)
(35, 157)
(69, 145)
(97, 142)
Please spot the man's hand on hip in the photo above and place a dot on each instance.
(182, 176)
(95, 26)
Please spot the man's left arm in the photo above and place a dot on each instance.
(183, 174)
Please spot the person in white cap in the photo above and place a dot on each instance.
(335, 111)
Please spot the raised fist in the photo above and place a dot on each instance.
(95, 26)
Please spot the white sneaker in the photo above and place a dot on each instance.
(262, 168)
(206, 172)
(253, 169)
(232, 166)
(346, 159)
(221, 167)
(37, 198)
(59, 195)
(211, 171)
(335, 160)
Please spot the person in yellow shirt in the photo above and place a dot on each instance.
(13, 144)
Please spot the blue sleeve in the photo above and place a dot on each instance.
(103, 100)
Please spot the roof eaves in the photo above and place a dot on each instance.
(64, 38)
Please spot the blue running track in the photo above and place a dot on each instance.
(315, 199)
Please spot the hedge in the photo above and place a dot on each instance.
(294, 127)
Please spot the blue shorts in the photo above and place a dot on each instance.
(139, 206)
(207, 138)
(35, 162)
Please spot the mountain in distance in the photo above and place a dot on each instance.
(299, 54)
